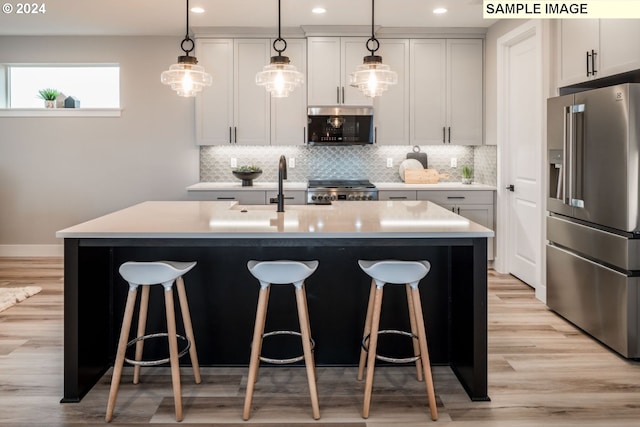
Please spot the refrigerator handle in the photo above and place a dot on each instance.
(577, 175)
(567, 137)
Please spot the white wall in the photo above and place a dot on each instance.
(57, 172)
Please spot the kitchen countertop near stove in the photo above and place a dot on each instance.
(235, 186)
(289, 185)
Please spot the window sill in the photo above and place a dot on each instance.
(60, 112)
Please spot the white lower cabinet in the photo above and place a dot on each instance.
(477, 206)
(396, 195)
(291, 197)
(244, 197)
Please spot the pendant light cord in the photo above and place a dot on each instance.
(373, 37)
(279, 39)
(187, 39)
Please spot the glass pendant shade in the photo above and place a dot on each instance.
(279, 77)
(186, 77)
(373, 77)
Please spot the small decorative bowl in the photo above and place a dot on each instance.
(247, 177)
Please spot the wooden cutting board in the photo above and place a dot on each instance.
(423, 176)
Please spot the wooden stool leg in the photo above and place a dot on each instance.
(306, 308)
(367, 330)
(188, 327)
(414, 331)
(256, 347)
(142, 325)
(173, 352)
(424, 354)
(122, 348)
(373, 345)
(303, 317)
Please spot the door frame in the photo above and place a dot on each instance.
(532, 28)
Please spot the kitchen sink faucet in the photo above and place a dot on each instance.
(282, 175)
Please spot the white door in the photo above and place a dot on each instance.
(520, 135)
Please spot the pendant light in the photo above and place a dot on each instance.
(186, 77)
(373, 77)
(279, 77)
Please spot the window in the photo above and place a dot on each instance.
(95, 86)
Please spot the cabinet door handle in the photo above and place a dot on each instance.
(444, 134)
(593, 62)
(375, 135)
(343, 94)
(588, 72)
(304, 135)
(337, 94)
(449, 140)
(235, 134)
(230, 140)
(458, 210)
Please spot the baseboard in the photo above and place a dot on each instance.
(31, 250)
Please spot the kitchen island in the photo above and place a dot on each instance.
(223, 236)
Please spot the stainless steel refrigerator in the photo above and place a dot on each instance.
(593, 226)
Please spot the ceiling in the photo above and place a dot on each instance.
(168, 17)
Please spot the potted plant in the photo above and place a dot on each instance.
(247, 173)
(49, 96)
(467, 174)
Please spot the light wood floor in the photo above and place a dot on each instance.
(542, 371)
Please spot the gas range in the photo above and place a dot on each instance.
(324, 191)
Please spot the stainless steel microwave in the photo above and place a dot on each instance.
(340, 126)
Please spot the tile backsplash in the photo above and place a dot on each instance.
(350, 162)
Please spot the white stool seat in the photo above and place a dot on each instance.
(155, 272)
(396, 272)
(409, 274)
(143, 275)
(282, 271)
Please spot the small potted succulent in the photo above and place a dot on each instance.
(49, 96)
(467, 174)
(247, 173)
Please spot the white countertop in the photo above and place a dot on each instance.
(237, 185)
(265, 185)
(438, 186)
(208, 219)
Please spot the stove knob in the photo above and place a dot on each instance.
(326, 197)
(314, 197)
(333, 197)
(350, 197)
(358, 197)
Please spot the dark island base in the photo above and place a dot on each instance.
(223, 295)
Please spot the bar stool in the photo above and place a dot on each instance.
(408, 273)
(272, 273)
(144, 274)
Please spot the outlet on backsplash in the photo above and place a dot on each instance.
(454, 162)
(234, 162)
(292, 162)
(389, 162)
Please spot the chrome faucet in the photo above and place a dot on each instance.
(282, 175)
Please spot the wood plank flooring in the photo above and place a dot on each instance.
(542, 371)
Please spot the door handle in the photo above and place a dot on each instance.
(510, 187)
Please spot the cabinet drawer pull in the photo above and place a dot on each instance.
(397, 197)
(225, 198)
(275, 199)
(456, 197)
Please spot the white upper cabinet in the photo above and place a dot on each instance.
(331, 60)
(234, 110)
(446, 97)
(595, 48)
(391, 110)
(289, 115)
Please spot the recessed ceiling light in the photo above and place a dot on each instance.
(439, 10)
(197, 10)
(318, 10)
